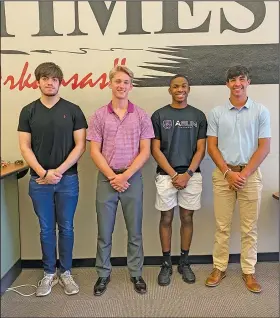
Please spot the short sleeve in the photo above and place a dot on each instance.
(202, 127)
(147, 131)
(212, 129)
(264, 124)
(156, 125)
(79, 119)
(94, 132)
(23, 124)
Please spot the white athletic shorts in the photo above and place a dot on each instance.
(168, 196)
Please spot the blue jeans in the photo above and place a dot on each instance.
(56, 203)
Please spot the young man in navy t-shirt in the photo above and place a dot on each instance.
(178, 148)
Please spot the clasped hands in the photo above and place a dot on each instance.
(53, 177)
(119, 182)
(236, 180)
(180, 181)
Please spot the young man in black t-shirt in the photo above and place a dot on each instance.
(52, 137)
(178, 148)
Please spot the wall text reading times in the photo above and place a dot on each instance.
(134, 17)
(25, 80)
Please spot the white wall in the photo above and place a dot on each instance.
(89, 99)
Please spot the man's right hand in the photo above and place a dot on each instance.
(235, 180)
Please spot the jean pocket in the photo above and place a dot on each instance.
(35, 187)
(70, 178)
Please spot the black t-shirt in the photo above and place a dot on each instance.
(178, 131)
(51, 131)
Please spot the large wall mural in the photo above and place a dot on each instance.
(204, 64)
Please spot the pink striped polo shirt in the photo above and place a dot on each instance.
(120, 139)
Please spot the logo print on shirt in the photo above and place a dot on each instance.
(186, 124)
(167, 124)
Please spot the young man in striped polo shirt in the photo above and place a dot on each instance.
(120, 134)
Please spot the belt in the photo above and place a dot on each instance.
(119, 171)
(236, 168)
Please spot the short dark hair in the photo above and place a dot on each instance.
(237, 70)
(179, 75)
(48, 69)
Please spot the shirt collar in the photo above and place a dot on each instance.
(130, 108)
(247, 104)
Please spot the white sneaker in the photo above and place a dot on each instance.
(67, 282)
(45, 284)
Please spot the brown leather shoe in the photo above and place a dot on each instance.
(215, 278)
(251, 283)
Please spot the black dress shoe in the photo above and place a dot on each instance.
(101, 285)
(139, 284)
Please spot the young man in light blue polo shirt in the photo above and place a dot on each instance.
(238, 141)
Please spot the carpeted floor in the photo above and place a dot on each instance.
(229, 299)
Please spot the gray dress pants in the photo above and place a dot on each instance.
(106, 207)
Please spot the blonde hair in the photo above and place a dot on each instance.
(121, 68)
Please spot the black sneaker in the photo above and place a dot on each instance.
(187, 274)
(164, 274)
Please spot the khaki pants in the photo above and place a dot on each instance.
(249, 199)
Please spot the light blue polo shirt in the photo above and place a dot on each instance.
(238, 130)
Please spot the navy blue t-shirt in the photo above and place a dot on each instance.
(178, 131)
